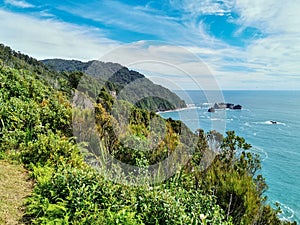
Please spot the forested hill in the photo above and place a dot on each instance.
(92, 76)
(128, 84)
(165, 173)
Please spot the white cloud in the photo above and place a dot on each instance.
(201, 7)
(19, 3)
(271, 16)
(268, 62)
(278, 54)
(174, 64)
(271, 62)
(135, 19)
(50, 38)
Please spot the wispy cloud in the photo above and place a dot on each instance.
(200, 7)
(157, 24)
(141, 19)
(271, 16)
(269, 61)
(19, 3)
(266, 61)
(176, 65)
(50, 38)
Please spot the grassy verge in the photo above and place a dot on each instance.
(14, 187)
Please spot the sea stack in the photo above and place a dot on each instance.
(211, 109)
(237, 107)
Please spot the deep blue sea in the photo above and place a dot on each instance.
(278, 144)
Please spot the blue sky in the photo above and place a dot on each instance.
(227, 44)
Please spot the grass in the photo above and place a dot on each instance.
(15, 186)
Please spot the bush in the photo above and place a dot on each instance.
(50, 149)
(80, 196)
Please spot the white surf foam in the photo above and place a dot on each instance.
(270, 122)
(258, 150)
(287, 212)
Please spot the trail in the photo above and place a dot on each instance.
(14, 187)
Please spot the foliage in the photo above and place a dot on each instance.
(29, 108)
(74, 78)
(129, 85)
(82, 196)
(35, 127)
(233, 178)
(19, 61)
(134, 135)
(52, 149)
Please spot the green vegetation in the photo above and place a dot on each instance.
(36, 131)
(129, 85)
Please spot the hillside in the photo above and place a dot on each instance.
(35, 122)
(175, 176)
(95, 75)
(129, 85)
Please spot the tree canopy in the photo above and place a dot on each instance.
(219, 182)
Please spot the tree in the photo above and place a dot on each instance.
(74, 78)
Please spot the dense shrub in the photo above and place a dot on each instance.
(82, 196)
(29, 108)
(35, 124)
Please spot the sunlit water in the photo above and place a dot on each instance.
(278, 144)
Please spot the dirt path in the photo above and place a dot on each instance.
(14, 187)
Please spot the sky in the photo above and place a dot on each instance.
(181, 44)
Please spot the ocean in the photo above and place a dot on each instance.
(278, 144)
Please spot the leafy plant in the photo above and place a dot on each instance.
(35, 128)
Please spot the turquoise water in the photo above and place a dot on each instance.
(278, 144)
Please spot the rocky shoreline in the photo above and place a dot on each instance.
(223, 105)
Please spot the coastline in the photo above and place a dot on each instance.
(189, 106)
(253, 123)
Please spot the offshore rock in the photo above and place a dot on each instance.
(237, 107)
(211, 109)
